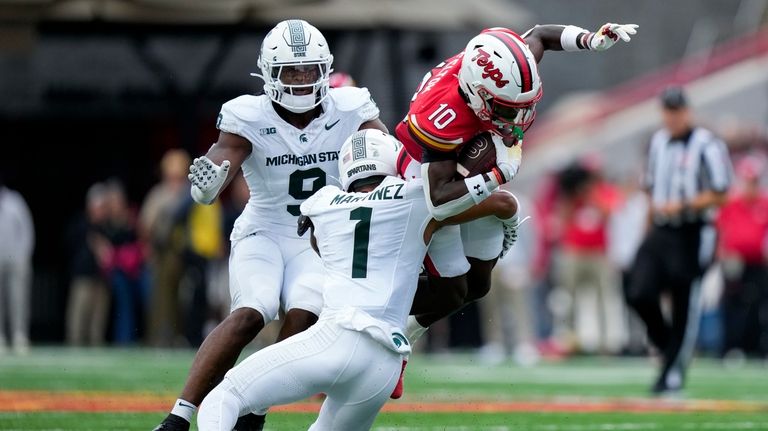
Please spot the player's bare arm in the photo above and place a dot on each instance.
(500, 204)
(230, 147)
(571, 38)
(211, 173)
(447, 196)
(442, 185)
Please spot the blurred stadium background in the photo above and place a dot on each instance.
(98, 91)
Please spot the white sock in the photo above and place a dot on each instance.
(413, 329)
(184, 409)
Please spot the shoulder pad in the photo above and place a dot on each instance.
(349, 99)
(310, 206)
(241, 109)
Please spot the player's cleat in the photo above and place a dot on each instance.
(173, 423)
(398, 391)
(669, 384)
(250, 422)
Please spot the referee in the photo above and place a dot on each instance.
(688, 175)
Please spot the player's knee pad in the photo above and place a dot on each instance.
(482, 238)
(303, 285)
(256, 275)
(219, 410)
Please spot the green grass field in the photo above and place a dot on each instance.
(581, 394)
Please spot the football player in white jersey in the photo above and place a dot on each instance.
(372, 240)
(286, 142)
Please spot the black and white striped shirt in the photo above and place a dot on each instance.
(680, 169)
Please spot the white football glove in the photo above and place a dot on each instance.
(207, 178)
(607, 35)
(510, 227)
(508, 159)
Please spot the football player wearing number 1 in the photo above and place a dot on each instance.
(492, 86)
(286, 142)
(372, 235)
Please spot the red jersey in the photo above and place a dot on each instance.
(743, 227)
(587, 229)
(439, 118)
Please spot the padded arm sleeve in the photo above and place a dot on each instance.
(448, 209)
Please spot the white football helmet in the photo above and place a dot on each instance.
(295, 63)
(367, 153)
(500, 78)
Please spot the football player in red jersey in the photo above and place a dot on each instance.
(492, 86)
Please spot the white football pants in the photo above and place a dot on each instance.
(355, 372)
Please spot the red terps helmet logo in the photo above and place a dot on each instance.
(483, 59)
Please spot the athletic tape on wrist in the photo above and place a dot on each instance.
(571, 38)
(477, 187)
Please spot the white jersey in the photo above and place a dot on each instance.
(372, 246)
(287, 165)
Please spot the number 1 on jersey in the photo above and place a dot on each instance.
(362, 233)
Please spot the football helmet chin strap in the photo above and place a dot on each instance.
(297, 104)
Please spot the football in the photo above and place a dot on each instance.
(476, 156)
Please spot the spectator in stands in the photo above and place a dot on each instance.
(120, 256)
(89, 296)
(743, 228)
(585, 273)
(18, 240)
(204, 244)
(165, 244)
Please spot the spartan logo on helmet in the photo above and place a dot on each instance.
(358, 147)
(298, 41)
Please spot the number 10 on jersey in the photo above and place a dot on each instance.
(442, 117)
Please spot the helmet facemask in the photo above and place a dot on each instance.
(298, 87)
(504, 114)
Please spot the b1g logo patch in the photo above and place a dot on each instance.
(267, 131)
(296, 38)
